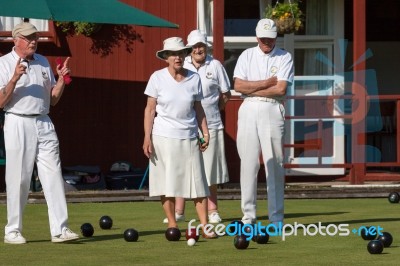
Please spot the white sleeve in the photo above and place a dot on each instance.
(286, 71)
(151, 88)
(223, 79)
(241, 68)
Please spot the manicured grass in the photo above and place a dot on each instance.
(107, 247)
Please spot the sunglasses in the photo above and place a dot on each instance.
(176, 53)
(29, 38)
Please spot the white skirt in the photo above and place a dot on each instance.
(214, 158)
(177, 169)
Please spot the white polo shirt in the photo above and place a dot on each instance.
(33, 89)
(214, 81)
(176, 117)
(253, 64)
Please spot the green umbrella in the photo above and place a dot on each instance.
(94, 11)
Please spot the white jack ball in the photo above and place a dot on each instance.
(191, 242)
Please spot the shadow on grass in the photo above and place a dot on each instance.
(82, 239)
(287, 216)
(156, 232)
(366, 221)
(97, 238)
(77, 241)
(298, 215)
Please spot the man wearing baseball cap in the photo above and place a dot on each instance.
(24, 29)
(27, 89)
(262, 75)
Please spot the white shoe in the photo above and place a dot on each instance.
(14, 237)
(67, 235)
(248, 221)
(178, 218)
(214, 218)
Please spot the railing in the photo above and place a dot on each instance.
(349, 119)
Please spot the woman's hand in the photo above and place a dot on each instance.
(147, 147)
(203, 142)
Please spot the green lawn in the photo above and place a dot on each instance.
(107, 247)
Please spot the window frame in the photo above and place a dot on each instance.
(44, 36)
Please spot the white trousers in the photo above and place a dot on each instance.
(261, 130)
(29, 140)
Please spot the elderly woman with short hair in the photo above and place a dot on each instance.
(171, 140)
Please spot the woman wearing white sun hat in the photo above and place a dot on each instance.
(171, 137)
(216, 92)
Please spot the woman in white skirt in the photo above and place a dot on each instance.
(216, 93)
(172, 117)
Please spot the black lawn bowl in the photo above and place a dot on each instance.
(375, 247)
(368, 234)
(87, 230)
(173, 234)
(386, 238)
(131, 235)
(261, 239)
(235, 227)
(106, 222)
(241, 242)
(247, 230)
(394, 197)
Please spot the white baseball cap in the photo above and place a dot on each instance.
(266, 28)
(196, 36)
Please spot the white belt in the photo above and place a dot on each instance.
(261, 99)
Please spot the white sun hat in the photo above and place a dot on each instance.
(172, 44)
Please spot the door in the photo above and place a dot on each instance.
(315, 131)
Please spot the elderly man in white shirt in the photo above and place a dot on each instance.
(262, 75)
(27, 89)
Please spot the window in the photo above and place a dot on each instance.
(8, 23)
(382, 20)
(244, 22)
